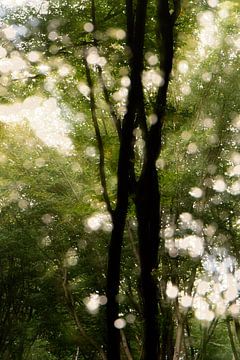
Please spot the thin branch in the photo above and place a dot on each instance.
(182, 319)
(177, 10)
(135, 251)
(98, 138)
(110, 15)
(113, 114)
(130, 23)
(125, 346)
(207, 334)
(189, 339)
(115, 118)
(231, 338)
(71, 306)
(237, 329)
(77, 353)
(178, 342)
(69, 183)
(165, 34)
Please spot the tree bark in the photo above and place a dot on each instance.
(124, 177)
(178, 342)
(148, 209)
(148, 194)
(147, 199)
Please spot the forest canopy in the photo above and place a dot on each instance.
(120, 180)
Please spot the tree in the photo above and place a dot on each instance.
(131, 84)
(146, 188)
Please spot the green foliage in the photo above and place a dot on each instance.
(55, 228)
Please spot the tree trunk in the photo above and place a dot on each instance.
(147, 190)
(124, 178)
(147, 208)
(178, 342)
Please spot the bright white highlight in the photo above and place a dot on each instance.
(20, 3)
(193, 244)
(88, 27)
(93, 57)
(234, 170)
(183, 66)
(185, 89)
(116, 33)
(212, 3)
(14, 64)
(208, 34)
(120, 323)
(192, 149)
(99, 221)
(169, 232)
(34, 56)
(125, 81)
(219, 185)
(196, 192)
(203, 287)
(152, 79)
(3, 52)
(172, 290)
(84, 89)
(71, 258)
(92, 303)
(207, 76)
(44, 117)
(185, 301)
(208, 123)
(234, 189)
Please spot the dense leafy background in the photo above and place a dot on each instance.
(55, 228)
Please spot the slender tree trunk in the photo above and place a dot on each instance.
(232, 341)
(124, 180)
(178, 342)
(125, 346)
(113, 276)
(147, 208)
(167, 332)
(147, 190)
(148, 194)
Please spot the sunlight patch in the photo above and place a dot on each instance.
(172, 290)
(45, 119)
(120, 323)
(39, 4)
(93, 302)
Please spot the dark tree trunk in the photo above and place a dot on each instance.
(148, 197)
(147, 208)
(124, 173)
(147, 188)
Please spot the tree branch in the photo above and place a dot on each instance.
(125, 346)
(113, 114)
(71, 306)
(177, 11)
(232, 342)
(98, 138)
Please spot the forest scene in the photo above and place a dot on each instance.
(120, 180)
